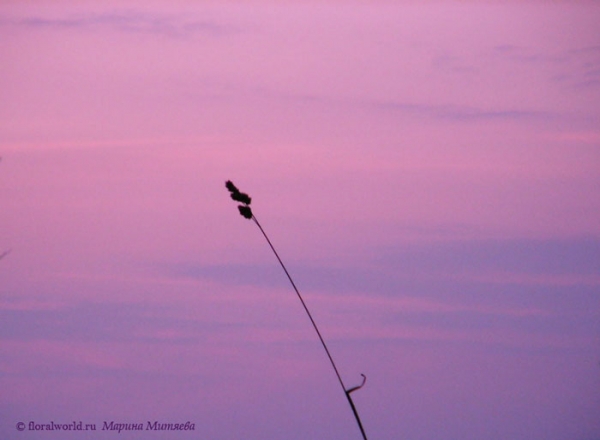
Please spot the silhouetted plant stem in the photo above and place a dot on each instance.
(303, 303)
(246, 212)
(346, 392)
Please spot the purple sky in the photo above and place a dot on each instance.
(428, 170)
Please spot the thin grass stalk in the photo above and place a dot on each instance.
(337, 373)
(246, 212)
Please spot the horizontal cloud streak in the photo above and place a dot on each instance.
(103, 322)
(131, 21)
(575, 67)
(441, 286)
(441, 112)
(463, 113)
(578, 257)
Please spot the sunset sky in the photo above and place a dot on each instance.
(429, 171)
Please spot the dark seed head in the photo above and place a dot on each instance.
(231, 187)
(245, 211)
(241, 197)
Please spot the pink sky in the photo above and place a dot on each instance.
(429, 172)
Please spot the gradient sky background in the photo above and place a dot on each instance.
(428, 170)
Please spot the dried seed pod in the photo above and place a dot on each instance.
(231, 187)
(241, 197)
(245, 211)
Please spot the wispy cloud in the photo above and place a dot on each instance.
(526, 287)
(587, 62)
(465, 113)
(128, 21)
(577, 67)
(439, 112)
(87, 322)
(520, 54)
(556, 262)
(578, 256)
